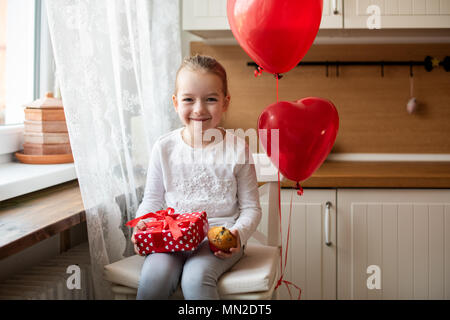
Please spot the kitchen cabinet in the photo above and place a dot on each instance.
(406, 233)
(311, 263)
(205, 15)
(399, 13)
(209, 15)
(403, 232)
(332, 15)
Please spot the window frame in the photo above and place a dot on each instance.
(11, 135)
(21, 178)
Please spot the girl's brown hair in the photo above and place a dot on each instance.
(204, 63)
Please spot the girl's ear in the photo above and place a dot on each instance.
(175, 102)
(226, 103)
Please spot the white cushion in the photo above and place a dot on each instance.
(255, 271)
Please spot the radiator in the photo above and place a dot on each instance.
(48, 280)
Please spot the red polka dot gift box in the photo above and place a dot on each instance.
(167, 231)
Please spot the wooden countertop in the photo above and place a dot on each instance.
(31, 218)
(346, 174)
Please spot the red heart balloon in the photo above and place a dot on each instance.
(275, 34)
(307, 132)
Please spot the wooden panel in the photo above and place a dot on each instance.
(405, 7)
(361, 6)
(293, 270)
(402, 7)
(379, 3)
(399, 13)
(432, 7)
(330, 20)
(404, 232)
(205, 15)
(201, 8)
(436, 233)
(389, 264)
(217, 8)
(311, 264)
(372, 109)
(298, 268)
(327, 8)
(445, 7)
(391, 8)
(314, 236)
(359, 250)
(420, 245)
(405, 252)
(447, 256)
(419, 7)
(374, 242)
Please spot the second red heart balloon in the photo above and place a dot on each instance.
(307, 132)
(275, 34)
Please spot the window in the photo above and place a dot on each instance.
(19, 55)
(3, 7)
(26, 65)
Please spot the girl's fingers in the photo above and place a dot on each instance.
(234, 250)
(141, 225)
(219, 255)
(236, 234)
(137, 250)
(223, 255)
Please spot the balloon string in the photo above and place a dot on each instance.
(283, 268)
(281, 232)
(300, 189)
(258, 71)
(277, 85)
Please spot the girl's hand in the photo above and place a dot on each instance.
(221, 254)
(139, 226)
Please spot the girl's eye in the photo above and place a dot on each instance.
(211, 99)
(187, 100)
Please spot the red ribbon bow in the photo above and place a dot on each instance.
(165, 219)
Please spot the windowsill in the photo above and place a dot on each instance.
(19, 178)
(31, 218)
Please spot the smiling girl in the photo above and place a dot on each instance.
(227, 191)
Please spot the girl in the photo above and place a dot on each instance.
(189, 172)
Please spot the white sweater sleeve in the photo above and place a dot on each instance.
(248, 199)
(153, 199)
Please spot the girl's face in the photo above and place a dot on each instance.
(200, 101)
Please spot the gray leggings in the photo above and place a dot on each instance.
(198, 271)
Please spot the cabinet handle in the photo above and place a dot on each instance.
(335, 9)
(327, 223)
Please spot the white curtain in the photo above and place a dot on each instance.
(116, 62)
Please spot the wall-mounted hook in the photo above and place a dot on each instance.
(382, 69)
(446, 63)
(278, 76)
(326, 68)
(428, 63)
(337, 69)
(411, 106)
